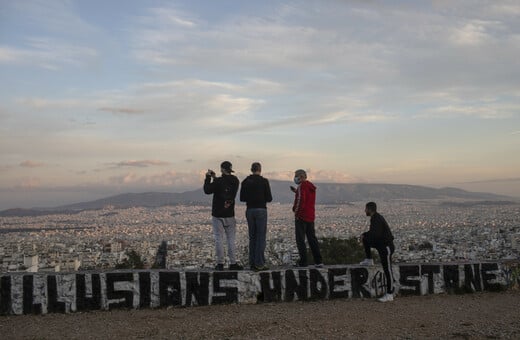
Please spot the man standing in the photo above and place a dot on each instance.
(256, 192)
(380, 237)
(224, 190)
(304, 216)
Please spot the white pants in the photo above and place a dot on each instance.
(221, 226)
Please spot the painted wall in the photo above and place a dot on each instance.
(41, 293)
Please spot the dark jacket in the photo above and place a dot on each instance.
(255, 191)
(224, 190)
(379, 234)
(304, 201)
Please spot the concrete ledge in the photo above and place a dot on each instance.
(41, 293)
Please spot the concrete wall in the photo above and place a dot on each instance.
(41, 293)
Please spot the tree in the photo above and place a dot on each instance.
(133, 261)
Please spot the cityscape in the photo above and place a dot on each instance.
(424, 231)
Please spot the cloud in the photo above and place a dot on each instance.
(495, 180)
(322, 176)
(47, 53)
(29, 183)
(472, 33)
(52, 17)
(121, 110)
(171, 179)
(31, 164)
(141, 163)
(482, 111)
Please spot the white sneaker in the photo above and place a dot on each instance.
(367, 262)
(386, 298)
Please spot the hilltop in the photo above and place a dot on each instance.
(469, 316)
(328, 193)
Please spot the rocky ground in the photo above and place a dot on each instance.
(472, 316)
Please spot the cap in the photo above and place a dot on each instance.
(226, 165)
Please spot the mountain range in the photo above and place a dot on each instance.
(328, 193)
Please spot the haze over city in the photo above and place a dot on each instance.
(103, 97)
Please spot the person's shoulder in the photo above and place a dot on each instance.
(308, 184)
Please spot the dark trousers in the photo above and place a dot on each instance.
(306, 229)
(257, 227)
(385, 254)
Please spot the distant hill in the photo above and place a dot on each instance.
(328, 193)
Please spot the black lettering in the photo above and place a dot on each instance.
(451, 278)
(145, 287)
(379, 283)
(126, 295)
(230, 293)
(472, 279)
(197, 284)
(359, 280)
(317, 279)
(54, 306)
(170, 293)
(292, 286)
(488, 276)
(5, 295)
(269, 294)
(429, 271)
(28, 296)
(333, 272)
(410, 280)
(84, 303)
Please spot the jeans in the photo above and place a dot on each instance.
(227, 226)
(303, 229)
(385, 255)
(257, 226)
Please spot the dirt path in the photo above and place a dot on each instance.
(473, 316)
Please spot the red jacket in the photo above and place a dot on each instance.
(304, 201)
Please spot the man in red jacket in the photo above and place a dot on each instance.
(304, 215)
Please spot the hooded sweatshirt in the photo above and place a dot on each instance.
(304, 201)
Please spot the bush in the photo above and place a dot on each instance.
(340, 251)
(133, 261)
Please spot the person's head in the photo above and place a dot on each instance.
(300, 176)
(226, 168)
(256, 168)
(370, 208)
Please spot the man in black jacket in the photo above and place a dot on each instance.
(256, 192)
(380, 237)
(224, 190)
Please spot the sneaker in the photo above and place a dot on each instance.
(260, 268)
(367, 262)
(386, 298)
(298, 264)
(318, 265)
(235, 266)
(219, 267)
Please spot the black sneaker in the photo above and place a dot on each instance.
(318, 265)
(219, 267)
(299, 264)
(235, 266)
(260, 268)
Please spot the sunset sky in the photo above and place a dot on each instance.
(101, 97)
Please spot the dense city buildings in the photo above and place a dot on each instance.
(425, 231)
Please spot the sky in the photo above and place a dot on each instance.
(103, 97)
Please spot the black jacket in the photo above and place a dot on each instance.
(255, 191)
(224, 190)
(379, 233)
